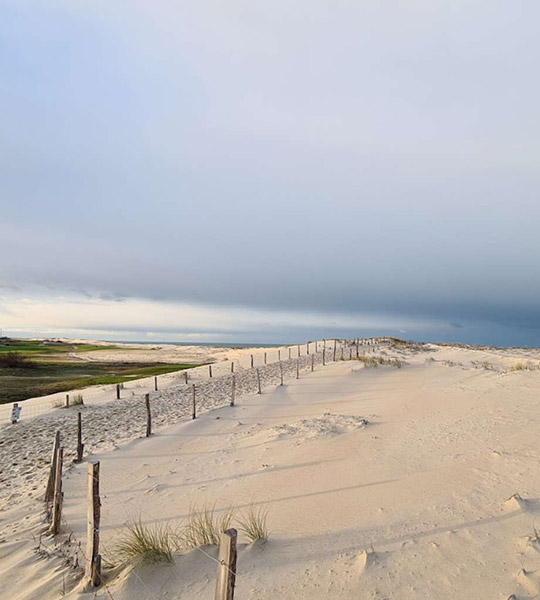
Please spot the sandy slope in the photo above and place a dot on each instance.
(415, 504)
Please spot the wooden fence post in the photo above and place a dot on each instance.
(155, 384)
(307, 347)
(118, 391)
(350, 353)
(324, 356)
(232, 367)
(252, 361)
(258, 382)
(67, 400)
(49, 491)
(185, 375)
(279, 355)
(298, 350)
(312, 362)
(357, 351)
(226, 576)
(93, 558)
(210, 370)
(297, 369)
(334, 350)
(233, 389)
(289, 352)
(265, 358)
(58, 495)
(193, 403)
(80, 445)
(148, 415)
(281, 372)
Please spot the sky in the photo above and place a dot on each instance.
(252, 171)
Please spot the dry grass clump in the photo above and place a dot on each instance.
(204, 527)
(520, 366)
(375, 361)
(253, 524)
(77, 400)
(146, 543)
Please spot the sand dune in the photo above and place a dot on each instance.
(412, 482)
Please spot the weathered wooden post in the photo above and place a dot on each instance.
(80, 445)
(49, 491)
(297, 369)
(350, 353)
(252, 361)
(193, 403)
(312, 362)
(93, 557)
(335, 342)
(324, 356)
(258, 382)
(233, 389)
(210, 370)
(281, 372)
(265, 358)
(232, 367)
(289, 352)
(148, 415)
(279, 355)
(298, 347)
(58, 495)
(155, 384)
(67, 400)
(226, 576)
(307, 347)
(118, 391)
(357, 350)
(185, 376)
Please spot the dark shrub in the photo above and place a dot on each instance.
(15, 360)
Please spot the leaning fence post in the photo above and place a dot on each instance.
(233, 389)
(80, 445)
(155, 384)
(148, 415)
(58, 496)
(281, 372)
(93, 558)
(210, 370)
(118, 391)
(258, 381)
(193, 403)
(49, 491)
(226, 576)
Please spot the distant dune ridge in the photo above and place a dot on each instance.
(412, 475)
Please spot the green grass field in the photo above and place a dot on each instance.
(50, 370)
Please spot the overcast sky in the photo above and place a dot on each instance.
(270, 171)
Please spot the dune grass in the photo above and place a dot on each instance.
(204, 527)
(144, 543)
(253, 524)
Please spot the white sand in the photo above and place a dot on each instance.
(416, 503)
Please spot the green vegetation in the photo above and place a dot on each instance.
(53, 368)
(35, 348)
